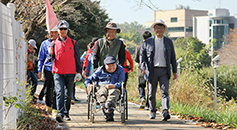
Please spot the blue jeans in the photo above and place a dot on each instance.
(63, 88)
(32, 80)
(141, 88)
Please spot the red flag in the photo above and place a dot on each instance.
(51, 18)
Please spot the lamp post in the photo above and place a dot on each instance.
(215, 80)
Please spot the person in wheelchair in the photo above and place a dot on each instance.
(109, 78)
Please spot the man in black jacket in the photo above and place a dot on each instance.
(140, 75)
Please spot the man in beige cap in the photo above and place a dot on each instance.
(157, 53)
(109, 45)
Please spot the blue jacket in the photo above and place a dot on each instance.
(42, 57)
(147, 57)
(104, 77)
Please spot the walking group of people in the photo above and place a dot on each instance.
(105, 62)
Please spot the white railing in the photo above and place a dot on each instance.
(12, 63)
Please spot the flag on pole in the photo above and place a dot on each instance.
(51, 18)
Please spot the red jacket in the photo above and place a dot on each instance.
(129, 58)
(64, 57)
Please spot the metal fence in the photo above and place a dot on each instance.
(12, 64)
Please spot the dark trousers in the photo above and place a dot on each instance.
(49, 82)
(63, 88)
(161, 76)
(42, 92)
(141, 89)
(32, 80)
(126, 79)
(74, 91)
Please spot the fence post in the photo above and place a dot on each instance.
(215, 80)
(178, 61)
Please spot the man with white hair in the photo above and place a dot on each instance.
(48, 76)
(31, 78)
(157, 53)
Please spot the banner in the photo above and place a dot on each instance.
(51, 18)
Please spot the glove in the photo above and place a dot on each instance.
(77, 77)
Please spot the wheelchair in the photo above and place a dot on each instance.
(122, 104)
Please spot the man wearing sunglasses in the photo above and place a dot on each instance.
(66, 69)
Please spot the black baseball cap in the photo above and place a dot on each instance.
(110, 60)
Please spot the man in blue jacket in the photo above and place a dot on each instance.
(109, 78)
(48, 76)
(157, 53)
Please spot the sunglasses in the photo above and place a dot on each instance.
(63, 28)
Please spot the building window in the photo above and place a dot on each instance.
(209, 32)
(210, 22)
(231, 25)
(219, 33)
(176, 29)
(173, 19)
(210, 14)
(189, 29)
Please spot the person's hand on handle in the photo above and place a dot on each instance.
(89, 88)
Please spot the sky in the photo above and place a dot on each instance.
(127, 10)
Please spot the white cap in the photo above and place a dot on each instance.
(54, 29)
(63, 24)
(159, 21)
(32, 43)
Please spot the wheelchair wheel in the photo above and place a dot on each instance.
(88, 114)
(91, 108)
(126, 105)
(123, 112)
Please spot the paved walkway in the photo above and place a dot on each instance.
(137, 119)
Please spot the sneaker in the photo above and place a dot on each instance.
(146, 108)
(143, 103)
(98, 106)
(77, 100)
(40, 101)
(166, 116)
(152, 115)
(54, 114)
(67, 118)
(48, 109)
(59, 118)
(110, 116)
(34, 100)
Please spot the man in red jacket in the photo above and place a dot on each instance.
(66, 69)
(127, 68)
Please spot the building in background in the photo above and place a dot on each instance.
(205, 25)
(216, 25)
(179, 21)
